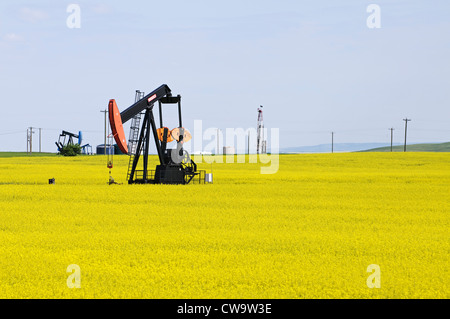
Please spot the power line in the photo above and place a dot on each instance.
(11, 133)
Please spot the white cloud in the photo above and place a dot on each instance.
(33, 15)
(12, 37)
(102, 9)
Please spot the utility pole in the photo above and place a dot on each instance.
(40, 140)
(106, 112)
(406, 131)
(332, 142)
(30, 140)
(392, 136)
(260, 132)
(248, 143)
(218, 141)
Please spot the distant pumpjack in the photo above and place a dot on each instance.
(66, 138)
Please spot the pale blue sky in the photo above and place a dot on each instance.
(314, 65)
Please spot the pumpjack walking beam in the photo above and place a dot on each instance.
(148, 100)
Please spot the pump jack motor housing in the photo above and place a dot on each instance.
(175, 165)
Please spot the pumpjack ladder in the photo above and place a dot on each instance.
(134, 133)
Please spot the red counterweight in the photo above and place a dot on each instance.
(115, 121)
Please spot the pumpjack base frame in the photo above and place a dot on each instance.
(171, 175)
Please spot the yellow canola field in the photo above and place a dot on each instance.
(309, 231)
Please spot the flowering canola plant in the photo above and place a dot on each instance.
(309, 231)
